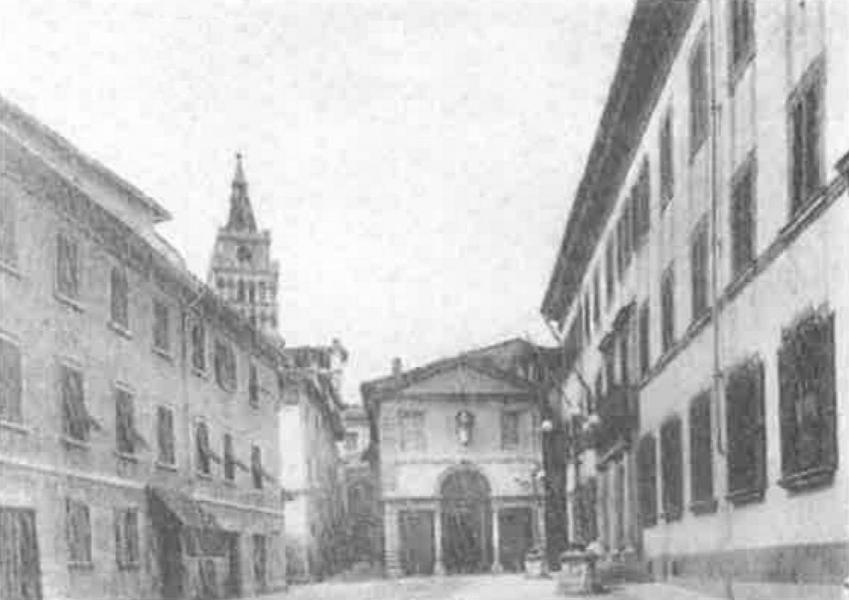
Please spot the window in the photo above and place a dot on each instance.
(509, 430)
(588, 316)
(203, 454)
(672, 466)
(10, 382)
(628, 227)
(744, 398)
(78, 532)
(742, 32)
(667, 308)
(240, 294)
(256, 467)
(412, 431)
(253, 387)
(647, 481)
(807, 402)
(351, 439)
(21, 565)
(119, 298)
(596, 299)
(260, 559)
(701, 455)
(667, 168)
(198, 346)
(67, 266)
(634, 203)
(699, 269)
(806, 113)
(645, 341)
(77, 422)
(165, 435)
(127, 537)
(609, 268)
(8, 246)
(620, 246)
(698, 97)
(225, 365)
(643, 204)
(229, 458)
(252, 292)
(161, 331)
(743, 218)
(128, 438)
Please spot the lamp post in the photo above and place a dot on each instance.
(538, 478)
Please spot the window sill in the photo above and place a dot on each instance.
(204, 476)
(129, 566)
(166, 466)
(163, 353)
(703, 507)
(15, 426)
(672, 516)
(230, 483)
(10, 269)
(127, 456)
(75, 443)
(202, 373)
(68, 301)
(81, 566)
(813, 478)
(746, 496)
(119, 329)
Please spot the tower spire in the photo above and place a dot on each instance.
(241, 213)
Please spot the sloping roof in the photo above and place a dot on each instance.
(654, 35)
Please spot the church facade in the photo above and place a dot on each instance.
(458, 446)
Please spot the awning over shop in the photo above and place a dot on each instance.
(182, 507)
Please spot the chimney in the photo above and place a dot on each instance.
(396, 366)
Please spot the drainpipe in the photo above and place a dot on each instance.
(717, 376)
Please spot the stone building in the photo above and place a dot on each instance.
(458, 448)
(700, 292)
(242, 270)
(138, 429)
(311, 470)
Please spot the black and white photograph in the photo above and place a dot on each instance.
(424, 299)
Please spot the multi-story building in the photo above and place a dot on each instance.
(701, 295)
(138, 428)
(311, 470)
(242, 270)
(363, 518)
(458, 447)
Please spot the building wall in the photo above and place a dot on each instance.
(799, 265)
(40, 468)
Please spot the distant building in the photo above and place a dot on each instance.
(458, 444)
(700, 292)
(242, 270)
(311, 471)
(138, 430)
(364, 520)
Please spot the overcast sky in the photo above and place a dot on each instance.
(414, 159)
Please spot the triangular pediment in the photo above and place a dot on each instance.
(462, 378)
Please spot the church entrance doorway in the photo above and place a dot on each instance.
(466, 522)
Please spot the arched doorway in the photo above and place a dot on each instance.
(466, 522)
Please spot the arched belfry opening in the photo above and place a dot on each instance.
(466, 513)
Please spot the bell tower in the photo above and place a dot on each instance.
(241, 270)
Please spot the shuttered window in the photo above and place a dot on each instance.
(78, 532)
(806, 114)
(509, 430)
(10, 382)
(645, 341)
(610, 268)
(260, 561)
(202, 450)
(643, 204)
(229, 458)
(701, 455)
(743, 218)
(256, 467)
(647, 480)
(161, 326)
(744, 397)
(742, 31)
(127, 537)
(698, 96)
(67, 266)
(77, 422)
(253, 387)
(165, 435)
(8, 244)
(225, 365)
(667, 168)
(198, 336)
(667, 308)
(672, 466)
(699, 270)
(412, 431)
(808, 402)
(119, 298)
(20, 574)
